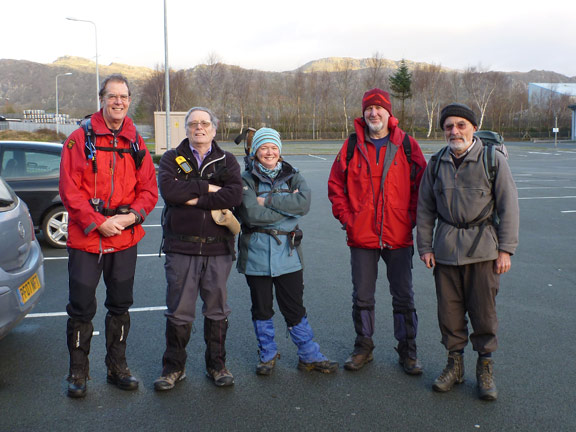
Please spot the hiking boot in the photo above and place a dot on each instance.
(123, 380)
(485, 377)
(407, 359)
(356, 361)
(324, 366)
(168, 381)
(265, 368)
(77, 386)
(411, 366)
(452, 374)
(221, 378)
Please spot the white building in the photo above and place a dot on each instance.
(542, 91)
(539, 91)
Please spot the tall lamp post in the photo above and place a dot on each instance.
(167, 78)
(57, 113)
(96, 42)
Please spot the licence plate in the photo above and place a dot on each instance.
(28, 288)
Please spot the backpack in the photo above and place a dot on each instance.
(90, 146)
(353, 140)
(492, 142)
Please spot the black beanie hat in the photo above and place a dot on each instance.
(457, 110)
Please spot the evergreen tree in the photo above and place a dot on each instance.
(401, 86)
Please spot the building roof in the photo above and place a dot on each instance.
(568, 89)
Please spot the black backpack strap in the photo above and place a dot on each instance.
(408, 152)
(352, 140)
(407, 148)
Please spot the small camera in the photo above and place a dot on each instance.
(97, 204)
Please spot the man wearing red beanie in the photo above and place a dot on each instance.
(374, 190)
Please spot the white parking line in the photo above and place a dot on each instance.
(56, 258)
(550, 197)
(317, 157)
(568, 211)
(546, 187)
(58, 314)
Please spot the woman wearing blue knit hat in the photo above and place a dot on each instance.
(275, 196)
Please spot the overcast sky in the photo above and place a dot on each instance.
(502, 35)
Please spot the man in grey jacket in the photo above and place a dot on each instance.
(470, 247)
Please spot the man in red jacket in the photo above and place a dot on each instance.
(374, 196)
(108, 185)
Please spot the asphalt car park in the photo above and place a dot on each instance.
(32, 169)
(532, 369)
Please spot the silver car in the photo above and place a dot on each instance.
(21, 261)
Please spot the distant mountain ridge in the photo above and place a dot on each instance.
(30, 85)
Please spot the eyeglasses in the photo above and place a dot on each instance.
(460, 126)
(195, 124)
(123, 98)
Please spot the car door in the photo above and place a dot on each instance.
(33, 172)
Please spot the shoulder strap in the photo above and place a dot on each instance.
(407, 148)
(408, 152)
(436, 160)
(489, 159)
(352, 140)
(89, 142)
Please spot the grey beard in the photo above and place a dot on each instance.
(375, 128)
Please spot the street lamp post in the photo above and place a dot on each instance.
(167, 78)
(97, 73)
(57, 113)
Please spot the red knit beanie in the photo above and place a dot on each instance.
(376, 97)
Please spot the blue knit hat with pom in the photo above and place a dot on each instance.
(265, 135)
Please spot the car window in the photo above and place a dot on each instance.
(18, 163)
(7, 197)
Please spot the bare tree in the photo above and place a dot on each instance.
(376, 71)
(427, 81)
(480, 86)
(209, 77)
(343, 80)
(242, 84)
(153, 90)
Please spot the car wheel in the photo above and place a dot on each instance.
(55, 227)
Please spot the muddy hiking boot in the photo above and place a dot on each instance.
(408, 361)
(77, 384)
(221, 378)
(452, 374)
(324, 366)
(215, 355)
(174, 358)
(485, 377)
(309, 356)
(168, 381)
(78, 337)
(117, 329)
(362, 354)
(265, 368)
(267, 349)
(358, 360)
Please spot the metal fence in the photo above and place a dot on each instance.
(145, 130)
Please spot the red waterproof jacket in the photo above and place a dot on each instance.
(117, 182)
(376, 201)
